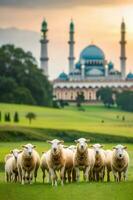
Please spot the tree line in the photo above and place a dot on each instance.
(123, 100)
(21, 81)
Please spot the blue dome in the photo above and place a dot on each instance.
(78, 65)
(63, 77)
(130, 76)
(110, 65)
(92, 52)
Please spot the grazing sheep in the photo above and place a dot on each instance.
(11, 171)
(119, 162)
(108, 158)
(99, 166)
(56, 160)
(83, 159)
(28, 163)
(44, 166)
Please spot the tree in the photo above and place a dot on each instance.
(106, 96)
(79, 98)
(124, 100)
(7, 117)
(21, 81)
(16, 117)
(30, 116)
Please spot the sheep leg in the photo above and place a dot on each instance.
(115, 176)
(108, 175)
(119, 175)
(43, 176)
(23, 176)
(62, 175)
(73, 175)
(77, 173)
(6, 177)
(53, 177)
(19, 174)
(35, 174)
(31, 177)
(69, 175)
(49, 177)
(86, 173)
(125, 175)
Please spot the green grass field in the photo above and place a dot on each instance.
(66, 123)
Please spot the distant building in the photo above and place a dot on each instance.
(91, 72)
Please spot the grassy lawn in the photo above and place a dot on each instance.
(71, 118)
(66, 123)
(75, 191)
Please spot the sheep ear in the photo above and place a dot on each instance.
(34, 146)
(125, 147)
(102, 146)
(48, 141)
(42, 152)
(11, 151)
(91, 145)
(23, 146)
(61, 142)
(114, 147)
(20, 151)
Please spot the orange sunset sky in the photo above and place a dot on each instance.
(98, 21)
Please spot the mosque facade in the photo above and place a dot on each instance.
(91, 72)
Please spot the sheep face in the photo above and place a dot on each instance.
(82, 144)
(28, 149)
(119, 151)
(56, 146)
(97, 148)
(15, 153)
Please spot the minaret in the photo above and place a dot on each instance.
(44, 48)
(123, 50)
(71, 43)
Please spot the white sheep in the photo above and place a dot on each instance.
(108, 158)
(69, 171)
(72, 148)
(99, 166)
(83, 159)
(56, 160)
(28, 163)
(119, 162)
(44, 167)
(11, 171)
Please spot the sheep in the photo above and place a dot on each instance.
(119, 162)
(108, 158)
(83, 159)
(44, 166)
(28, 163)
(11, 171)
(99, 166)
(72, 148)
(69, 171)
(56, 160)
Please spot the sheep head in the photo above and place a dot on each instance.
(82, 144)
(56, 146)
(119, 151)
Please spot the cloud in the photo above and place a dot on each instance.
(60, 3)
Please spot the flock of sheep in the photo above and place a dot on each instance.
(22, 165)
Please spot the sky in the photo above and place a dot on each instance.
(96, 22)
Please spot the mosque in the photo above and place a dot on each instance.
(91, 72)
